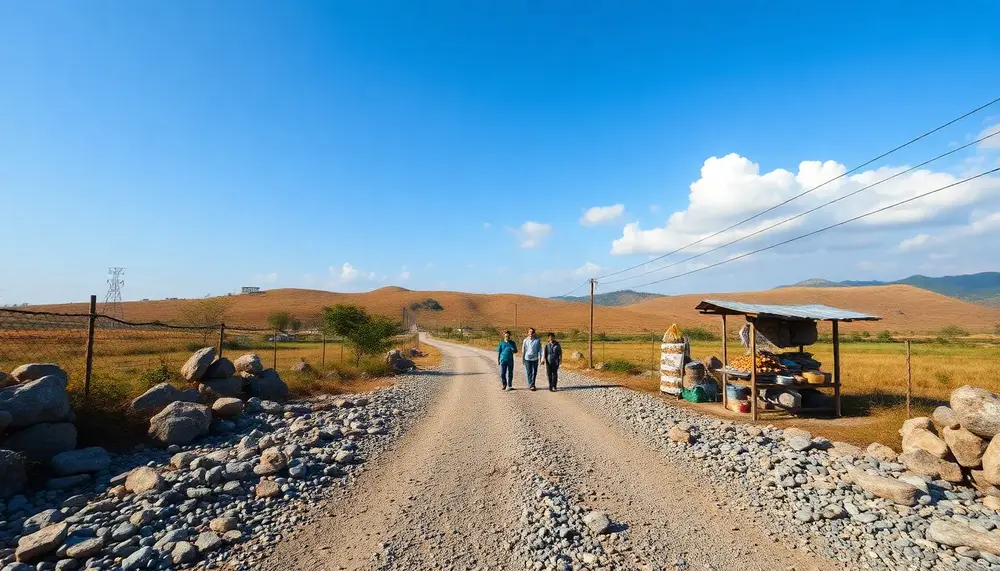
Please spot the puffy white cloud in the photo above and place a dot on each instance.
(348, 273)
(993, 143)
(602, 214)
(532, 234)
(732, 188)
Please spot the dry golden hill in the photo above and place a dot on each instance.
(903, 308)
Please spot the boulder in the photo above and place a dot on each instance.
(35, 371)
(157, 398)
(183, 552)
(955, 534)
(978, 410)
(301, 366)
(31, 547)
(211, 390)
(991, 462)
(143, 479)
(678, 434)
(881, 452)
(227, 407)
(966, 447)
(42, 441)
(180, 423)
(576, 356)
(945, 417)
(398, 362)
(888, 488)
(222, 368)
(978, 479)
(83, 461)
(249, 363)
(268, 386)
(923, 463)
(844, 449)
(139, 559)
(196, 366)
(792, 432)
(12, 474)
(914, 423)
(85, 548)
(923, 439)
(41, 519)
(598, 522)
(41, 400)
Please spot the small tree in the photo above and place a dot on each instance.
(368, 335)
(206, 313)
(280, 320)
(295, 325)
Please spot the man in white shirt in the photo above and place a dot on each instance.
(531, 352)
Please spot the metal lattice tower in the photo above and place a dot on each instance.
(113, 300)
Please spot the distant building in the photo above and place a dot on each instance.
(250, 290)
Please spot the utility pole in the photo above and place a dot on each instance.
(590, 333)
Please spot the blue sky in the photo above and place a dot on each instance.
(458, 145)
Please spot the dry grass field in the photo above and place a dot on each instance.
(904, 309)
(873, 376)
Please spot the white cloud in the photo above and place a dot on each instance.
(993, 143)
(532, 234)
(914, 243)
(602, 214)
(348, 273)
(404, 274)
(587, 270)
(732, 188)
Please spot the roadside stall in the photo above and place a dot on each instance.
(771, 380)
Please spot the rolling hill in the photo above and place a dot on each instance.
(612, 298)
(982, 288)
(904, 308)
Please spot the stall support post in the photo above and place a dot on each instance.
(753, 371)
(836, 366)
(725, 362)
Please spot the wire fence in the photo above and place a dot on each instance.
(114, 360)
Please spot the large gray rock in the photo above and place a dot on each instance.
(42, 400)
(83, 461)
(211, 390)
(888, 488)
(978, 410)
(222, 368)
(42, 441)
(196, 366)
(914, 423)
(31, 547)
(268, 386)
(880, 451)
(945, 417)
(923, 439)
(991, 462)
(35, 371)
(923, 463)
(227, 407)
(139, 559)
(249, 363)
(954, 534)
(42, 519)
(157, 398)
(598, 522)
(180, 423)
(966, 447)
(397, 362)
(12, 474)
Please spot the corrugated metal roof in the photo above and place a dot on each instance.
(812, 311)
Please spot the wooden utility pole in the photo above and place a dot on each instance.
(909, 379)
(590, 332)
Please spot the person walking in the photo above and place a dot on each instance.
(531, 351)
(505, 358)
(552, 355)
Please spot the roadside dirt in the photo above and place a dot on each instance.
(447, 496)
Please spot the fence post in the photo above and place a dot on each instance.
(909, 379)
(222, 337)
(323, 361)
(275, 361)
(90, 345)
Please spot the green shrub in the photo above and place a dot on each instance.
(954, 331)
(884, 336)
(622, 366)
(153, 377)
(699, 334)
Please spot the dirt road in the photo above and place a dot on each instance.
(458, 491)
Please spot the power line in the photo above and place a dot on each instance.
(796, 197)
(574, 289)
(810, 211)
(814, 232)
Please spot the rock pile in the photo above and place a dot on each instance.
(219, 388)
(398, 362)
(36, 423)
(219, 502)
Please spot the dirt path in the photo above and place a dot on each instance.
(450, 495)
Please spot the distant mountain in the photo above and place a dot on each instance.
(612, 298)
(982, 288)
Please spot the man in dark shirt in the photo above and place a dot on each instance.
(505, 358)
(552, 355)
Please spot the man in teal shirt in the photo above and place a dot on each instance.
(505, 358)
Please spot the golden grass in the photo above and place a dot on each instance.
(904, 309)
(873, 377)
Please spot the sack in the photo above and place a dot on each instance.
(697, 394)
(671, 368)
